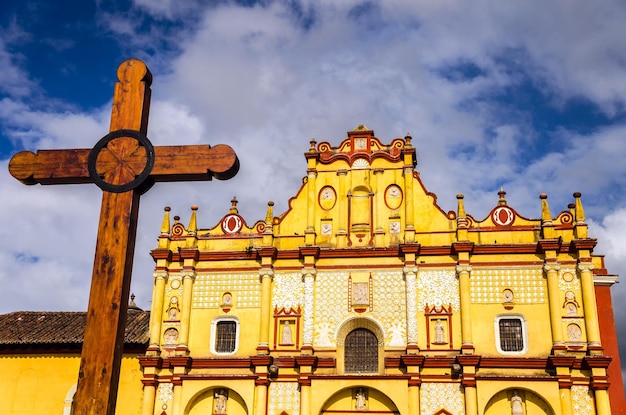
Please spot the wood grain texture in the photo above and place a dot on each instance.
(117, 164)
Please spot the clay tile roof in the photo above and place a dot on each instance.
(41, 328)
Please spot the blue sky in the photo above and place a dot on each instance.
(526, 96)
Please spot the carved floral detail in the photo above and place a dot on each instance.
(307, 335)
(284, 396)
(330, 306)
(439, 287)
(166, 392)
(436, 396)
(287, 291)
(582, 401)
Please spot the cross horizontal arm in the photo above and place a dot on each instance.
(193, 163)
(172, 163)
(51, 166)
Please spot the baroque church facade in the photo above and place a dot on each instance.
(364, 296)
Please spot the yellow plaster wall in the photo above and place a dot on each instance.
(537, 328)
(39, 384)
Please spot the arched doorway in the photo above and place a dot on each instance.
(529, 402)
(359, 398)
(218, 400)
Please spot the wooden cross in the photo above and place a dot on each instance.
(124, 164)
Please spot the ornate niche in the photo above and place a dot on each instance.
(360, 292)
(438, 326)
(287, 328)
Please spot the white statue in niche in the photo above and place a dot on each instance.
(220, 401)
(361, 400)
(440, 331)
(287, 337)
(227, 299)
(516, 404)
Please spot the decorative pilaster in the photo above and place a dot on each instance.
(156, 314)
(563, 365)
(305, 364)
(413, 364)
(342, 224)
(178, 397)
(309, 233)
(410, 279)
(554, 300)
(379, 208)
(308, 277)
(188, 280)
(149, 394)
(469, 364)
(267, 276)
(467, 344)
(260, 365)
(409, 231)
(589, 305)
(599, 382)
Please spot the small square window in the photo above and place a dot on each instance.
(511, 334)
(224, 336)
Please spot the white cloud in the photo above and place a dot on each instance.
(266, 79)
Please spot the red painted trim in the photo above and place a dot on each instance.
(608, 338)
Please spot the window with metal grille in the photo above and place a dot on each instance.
(361, 352)
(511, 334)
(225, 336)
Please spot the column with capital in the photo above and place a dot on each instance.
(589, 305)
(156, 315)
(410, 280)
(554, 300)
(183, 339)
(267, 276)
(463, 272)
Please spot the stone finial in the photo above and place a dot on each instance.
(578, 209)
(313, 143)
(165, 225)
(407, 140)
(193, 221)
(580, 226)
(269, 216)
(460, 206)
(233, 205)
(546, 217)
(502, 200)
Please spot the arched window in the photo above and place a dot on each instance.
(361, 352)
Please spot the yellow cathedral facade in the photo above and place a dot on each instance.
(364, 296)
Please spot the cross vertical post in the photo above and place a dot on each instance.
(124, 164)
(100, 361)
